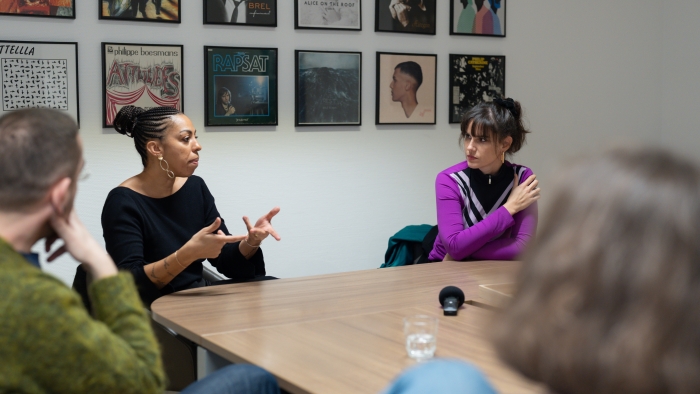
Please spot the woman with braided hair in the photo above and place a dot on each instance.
(486, 206)
(162, 223)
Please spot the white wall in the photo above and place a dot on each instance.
(681, 79)
(587, 78)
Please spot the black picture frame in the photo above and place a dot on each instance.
(256, 93)
(131, 13)
(160, 82)
(19, 90)
(42, 10)
(214, 11)
(344, 7)
(324, 73)
(472, 78)
(460, 24)
(425, 95)
(412, 20)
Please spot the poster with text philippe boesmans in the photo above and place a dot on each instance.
(241, 86)
(142, 75)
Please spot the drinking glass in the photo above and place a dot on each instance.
(421, 336)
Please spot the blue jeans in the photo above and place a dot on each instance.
(441, 377)
(238, 379)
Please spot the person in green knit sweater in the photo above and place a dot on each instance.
(50, 344)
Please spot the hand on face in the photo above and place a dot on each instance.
(263, 228)
(78, 242)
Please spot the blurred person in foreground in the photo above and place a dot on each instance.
(608, 297)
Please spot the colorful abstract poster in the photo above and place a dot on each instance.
(39, 74)
(328, 88)
(142, 75)
(405, 16)
(328, 14)
(242, 12)
(478, 17)
(475, 79)
(406, 88)
(141, 10)
(241, 86)
(43, 8)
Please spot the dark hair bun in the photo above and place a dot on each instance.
(126, 120)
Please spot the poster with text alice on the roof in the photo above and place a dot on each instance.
(142, 75)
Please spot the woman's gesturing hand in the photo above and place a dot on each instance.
(263, 228)
(522, 195)
(207, 243)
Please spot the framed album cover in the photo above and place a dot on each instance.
(243, 12)
(240, 86)
(405, 16)
(406, 88)
(478, 18)
(41, 8)
(330, 14)
(39, 74)
(328, 88)
(141, 10)
(475, 79)
(143, 75)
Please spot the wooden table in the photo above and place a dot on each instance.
(341, 333)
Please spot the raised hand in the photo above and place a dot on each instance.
(522, 195)
(207, 243)
(263, 228)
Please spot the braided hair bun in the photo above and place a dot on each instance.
(126, 120)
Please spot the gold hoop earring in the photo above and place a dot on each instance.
(167, 167)
(503, 157)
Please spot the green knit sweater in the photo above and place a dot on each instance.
(50, 344)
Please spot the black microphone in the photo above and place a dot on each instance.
(451, 298)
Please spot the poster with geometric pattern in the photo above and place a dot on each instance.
(39, 75)
(142, 75)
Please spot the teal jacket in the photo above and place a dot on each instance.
(400, 249)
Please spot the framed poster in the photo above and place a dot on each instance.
(244, 12)
(405, 16)
(240, 86)
(328, 88)
(42, 8)
(475, 79)
(406, 86)
(144, 75)
(141, 10)
(39, 74)
(331, 14)
(478, 18)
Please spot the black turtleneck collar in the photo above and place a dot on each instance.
(489, 188)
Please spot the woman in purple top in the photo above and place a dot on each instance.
(486, 206)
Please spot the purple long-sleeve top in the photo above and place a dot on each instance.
(499, 236)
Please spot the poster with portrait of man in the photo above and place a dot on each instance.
(240, 12)
(406, 88)
(478, 18)
(241, 86)
(405, 16)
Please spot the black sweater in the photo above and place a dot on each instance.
(140, 230)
